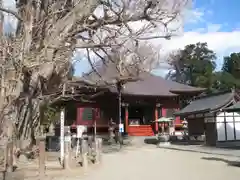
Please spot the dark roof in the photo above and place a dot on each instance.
(235, 107)
(208, 103)
(148, 84)
(155, 86)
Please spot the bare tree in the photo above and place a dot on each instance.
(133, 59)
(36, 59)
(175, 61)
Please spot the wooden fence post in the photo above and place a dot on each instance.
(67, 155)
(42, 155)
(96, 151)
(84, 154)
(90, 146)
(5, 158)
(10, 156)
(99, 140)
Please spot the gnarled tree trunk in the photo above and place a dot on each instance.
(38, 56)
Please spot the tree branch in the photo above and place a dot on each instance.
(9, 11)
(84, 46)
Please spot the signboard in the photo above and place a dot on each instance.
(209, 114)
(209, 119)
(67, 138)
(191, 116)
(199, 115)
(80, 130)
(67, 130)
(121, 128)
(62, 122)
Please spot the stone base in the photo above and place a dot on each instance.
(163, 138)
(164, 144)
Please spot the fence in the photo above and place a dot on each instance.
(90, 153)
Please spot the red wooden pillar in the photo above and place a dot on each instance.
(126, 118)
(164, 112)
(177, 119)
(156, 116)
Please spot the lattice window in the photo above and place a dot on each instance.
(87, 114)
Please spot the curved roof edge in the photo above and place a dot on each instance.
(193, 90)
(208, 103)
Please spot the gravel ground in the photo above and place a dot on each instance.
(149, 162)
(143, 162)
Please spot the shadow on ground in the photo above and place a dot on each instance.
(191, 146)
(153, 140)
(210, 151)
(115, 147)
(228, 162)
(150, 141)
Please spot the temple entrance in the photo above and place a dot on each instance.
(140, 120)
(140, 115)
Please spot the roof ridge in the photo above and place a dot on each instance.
(204, 95)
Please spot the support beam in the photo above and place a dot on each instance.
(126, 118)
(157, 115)
(62, 123)
(164, 112)
(62, 119)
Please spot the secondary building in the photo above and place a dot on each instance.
(215, 117)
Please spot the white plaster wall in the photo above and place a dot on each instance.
(230, 118)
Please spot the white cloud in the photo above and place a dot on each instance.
(221, 42)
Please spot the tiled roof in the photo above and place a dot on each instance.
(208, 104)
(148, 84)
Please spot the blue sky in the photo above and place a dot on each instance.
(220, 12)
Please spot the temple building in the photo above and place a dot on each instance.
(143, 100)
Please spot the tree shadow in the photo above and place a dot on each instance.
(115, 147)
(151, 140)
(228, 162)
(174, 141)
